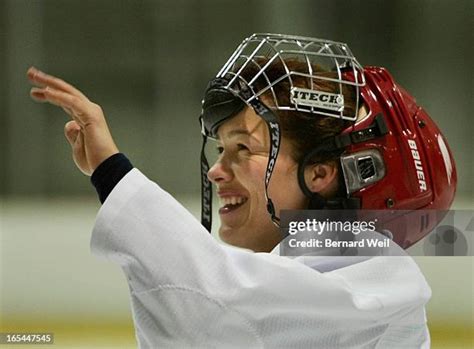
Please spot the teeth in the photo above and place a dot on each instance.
(232, 200)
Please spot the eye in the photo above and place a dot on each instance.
(241, 146)
(219, 149)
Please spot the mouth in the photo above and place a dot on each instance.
(231, 203)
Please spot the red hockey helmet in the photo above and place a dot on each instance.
(410, 167)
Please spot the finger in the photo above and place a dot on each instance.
(37, 94)
(42, 79)
(76, 105)
(80, 142)
(79, 154)
(68, 111)
(71, 131)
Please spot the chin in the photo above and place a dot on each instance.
(236, 238)
(233, 237)
(228, 235)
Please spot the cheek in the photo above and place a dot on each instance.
(252, 178)
(285, 190)
(252, 175)
(290, 198)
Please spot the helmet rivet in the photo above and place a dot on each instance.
(390, 203)
(421, 123)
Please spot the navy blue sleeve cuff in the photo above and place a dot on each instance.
(107, 175)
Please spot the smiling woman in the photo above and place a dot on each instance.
(291, 134)
(238, 175)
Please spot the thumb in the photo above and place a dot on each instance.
(71, 131)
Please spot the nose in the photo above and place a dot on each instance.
(219, 173)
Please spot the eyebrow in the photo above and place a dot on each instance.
(239, 132)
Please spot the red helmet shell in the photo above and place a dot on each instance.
(420, 172)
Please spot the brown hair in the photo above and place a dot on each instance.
(305, 131)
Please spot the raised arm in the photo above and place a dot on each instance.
(87, 132)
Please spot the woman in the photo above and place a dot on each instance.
(283, 126)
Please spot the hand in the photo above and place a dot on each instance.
(87, 133)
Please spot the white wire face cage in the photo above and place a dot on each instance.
(279, 49)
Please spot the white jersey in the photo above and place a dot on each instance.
(188, 290)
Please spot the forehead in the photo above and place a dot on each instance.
(247, 122)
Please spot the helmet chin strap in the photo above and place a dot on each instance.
(275, 139)
(206, 188)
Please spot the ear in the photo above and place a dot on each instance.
(322, 178)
